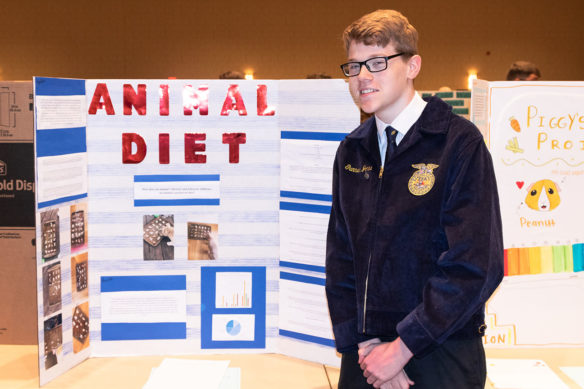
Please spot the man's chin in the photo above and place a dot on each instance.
(367, 109)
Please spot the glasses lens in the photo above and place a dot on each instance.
(376, 64)
(351, 68)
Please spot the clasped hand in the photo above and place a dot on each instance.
(383, 363)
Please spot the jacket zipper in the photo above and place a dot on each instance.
(369, 261)
(365, 299)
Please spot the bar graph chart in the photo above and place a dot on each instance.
(233, 290)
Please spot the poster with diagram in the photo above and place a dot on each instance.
(179, 171)
(538, 152)
(158, 212)
(536, 133)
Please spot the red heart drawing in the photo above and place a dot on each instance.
(520, 184)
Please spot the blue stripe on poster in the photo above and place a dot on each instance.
(170, 177)
(59, 87)
(302, 278)
(308, 338)
(302, 266)
(306, 195)
(175, 202)
(45, 204)
(288, 206)
(310, 135)
(143, 283)
(60, 141)
(143, 331)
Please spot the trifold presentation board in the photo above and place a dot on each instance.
(161, 211)
(535, 131)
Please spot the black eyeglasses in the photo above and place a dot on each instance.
(375, 64)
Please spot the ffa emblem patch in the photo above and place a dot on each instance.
(422, 180)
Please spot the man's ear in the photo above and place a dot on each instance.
(414, 65)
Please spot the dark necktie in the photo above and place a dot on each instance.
(391, 143)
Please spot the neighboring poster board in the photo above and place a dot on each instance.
(535, 131)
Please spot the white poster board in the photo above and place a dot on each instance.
(158, 213)
(536, 135)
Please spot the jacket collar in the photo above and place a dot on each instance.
(436, 116)
(434, 121)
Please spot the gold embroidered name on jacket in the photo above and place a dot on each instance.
(365, 168)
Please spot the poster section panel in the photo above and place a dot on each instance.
(537, 143)
(183, 174)
(61, 214)
(143, 307)
(233, 307)
(315, 115)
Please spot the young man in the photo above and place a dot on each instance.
(414, 244)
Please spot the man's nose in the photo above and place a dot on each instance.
(364, 73)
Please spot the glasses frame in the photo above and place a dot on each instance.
(361, 63)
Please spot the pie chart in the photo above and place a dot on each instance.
(233, 327)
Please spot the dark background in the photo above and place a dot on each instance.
(280, 39)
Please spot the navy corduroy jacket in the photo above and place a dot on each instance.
(415, 250)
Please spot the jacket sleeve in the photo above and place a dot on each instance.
(471, 268)
(340, 275)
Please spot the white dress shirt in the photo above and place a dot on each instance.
(402, 123)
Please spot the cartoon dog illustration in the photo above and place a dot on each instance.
(536, 201)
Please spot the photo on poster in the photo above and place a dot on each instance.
(78, 227)
(53, 334)
(80, 325)
(79, 277)
(50, 243)
(158, 234)
(51, 288)
(202, 241)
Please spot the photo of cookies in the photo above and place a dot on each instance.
(158, 236)
(50, 242)
(202, 241)
(78, 227)
(79, 277)
(80, 324)
(53, 334)
(52, 288)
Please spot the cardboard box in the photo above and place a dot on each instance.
(18, 315)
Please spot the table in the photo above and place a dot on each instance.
(19, 369)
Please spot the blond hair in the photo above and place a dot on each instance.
(381, 28)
